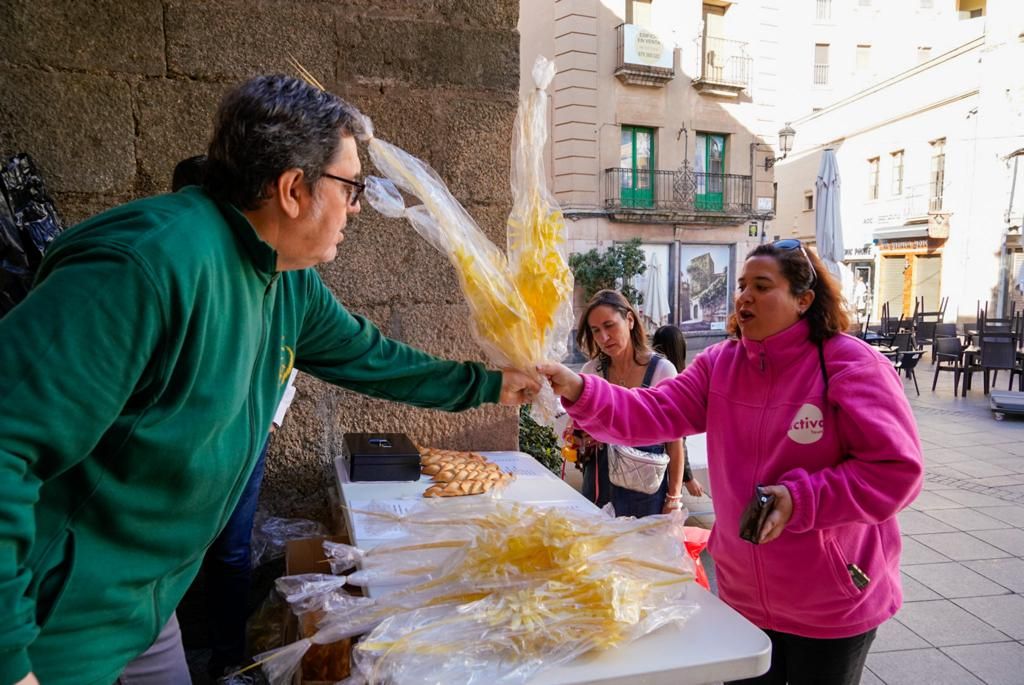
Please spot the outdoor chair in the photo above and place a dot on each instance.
(942, 330)
(924, 332)
(902, 341)
(907, 362)
(947, 355)
(997, 352)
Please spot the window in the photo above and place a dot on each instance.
(824, 12)
(970, 9)
(705, 286)
(808, 201)
(873, 178)
(863, 57)
(821, 64)
(636, 166)
(709, 165)
(924, 53)
(897, 172)
(638, 12)
(937, 175)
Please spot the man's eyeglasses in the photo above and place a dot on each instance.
(357, 188)
(794, 244)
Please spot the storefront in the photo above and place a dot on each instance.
(909, 268)
(860, 291)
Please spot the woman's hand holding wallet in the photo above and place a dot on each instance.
(767, 514)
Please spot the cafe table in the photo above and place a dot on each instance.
(714, 645)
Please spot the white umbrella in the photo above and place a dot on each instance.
(655, 299)
(828, 225)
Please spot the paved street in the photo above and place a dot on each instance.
(962, 621)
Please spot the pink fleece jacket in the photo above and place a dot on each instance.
(850, 467)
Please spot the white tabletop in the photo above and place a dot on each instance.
(715, 644)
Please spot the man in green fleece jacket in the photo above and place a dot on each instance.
(151, 354)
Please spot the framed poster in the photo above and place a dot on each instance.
(705, 286)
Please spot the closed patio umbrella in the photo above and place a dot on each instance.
(656, 297)
(828, 225)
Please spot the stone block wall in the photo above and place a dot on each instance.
(108, 95)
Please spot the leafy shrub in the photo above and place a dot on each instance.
(539, 441)
(613, 269)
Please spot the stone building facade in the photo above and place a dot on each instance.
(108, 95)
(661, 126)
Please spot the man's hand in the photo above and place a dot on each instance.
(780, 514)
(30, 679)
(517, 388)
(564, 381)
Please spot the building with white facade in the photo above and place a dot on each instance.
(928, 152)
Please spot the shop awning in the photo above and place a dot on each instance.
(901, 231)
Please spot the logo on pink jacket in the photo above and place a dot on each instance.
(807, 426)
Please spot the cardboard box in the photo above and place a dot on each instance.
(322, 664)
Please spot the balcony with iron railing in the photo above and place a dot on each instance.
(821, 74)
(641, 58)
(676, 196)
(725, 67)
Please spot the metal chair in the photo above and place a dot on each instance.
(907, 362)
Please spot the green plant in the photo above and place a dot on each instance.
(539, 441)
(613, 269)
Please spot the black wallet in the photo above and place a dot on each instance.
(754, 515)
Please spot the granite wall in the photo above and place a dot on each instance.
(108, 95)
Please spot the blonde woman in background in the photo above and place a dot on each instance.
(611, 333)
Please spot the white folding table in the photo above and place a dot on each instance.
(715, 644)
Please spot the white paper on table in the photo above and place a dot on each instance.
(376, 527)
(522, 468)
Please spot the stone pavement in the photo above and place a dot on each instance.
(962, 620)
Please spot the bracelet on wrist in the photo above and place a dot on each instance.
(674, 497)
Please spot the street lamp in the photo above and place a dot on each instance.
(786, 134)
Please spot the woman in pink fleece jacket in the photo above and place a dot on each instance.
(821, 419)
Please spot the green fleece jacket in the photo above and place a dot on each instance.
(137, 383)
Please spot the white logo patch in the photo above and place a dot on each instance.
(807, 426)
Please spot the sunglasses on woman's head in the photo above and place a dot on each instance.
(794, 244)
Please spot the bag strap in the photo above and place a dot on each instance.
(824, 371)
(652, 366)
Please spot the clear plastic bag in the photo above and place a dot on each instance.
(537, 236)
(307, 592)
(520, 306)
(519, 579)
(270, 534)
(508, 637)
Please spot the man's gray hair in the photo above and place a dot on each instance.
(268, 125)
